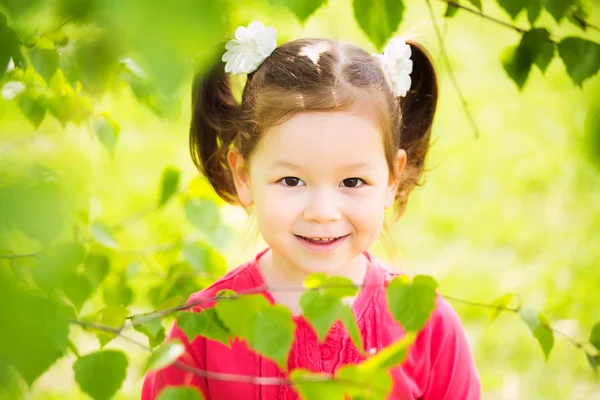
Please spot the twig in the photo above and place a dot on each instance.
(16, 256)
(472, 303)
(484, 16)
(584, 23)
(446, 59)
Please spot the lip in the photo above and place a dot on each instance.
(322, 247)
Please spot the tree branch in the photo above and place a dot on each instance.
(446, 59)
(485, 16)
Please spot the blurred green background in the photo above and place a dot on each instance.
(514, 210)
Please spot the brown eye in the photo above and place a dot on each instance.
(353, 182)
(291, 181)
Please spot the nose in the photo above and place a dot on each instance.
(322, 207)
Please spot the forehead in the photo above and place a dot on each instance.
(336, 137)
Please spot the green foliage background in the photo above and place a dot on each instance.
(514, 210)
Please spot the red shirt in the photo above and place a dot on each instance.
(439, 365)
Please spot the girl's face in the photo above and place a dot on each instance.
(319, 175)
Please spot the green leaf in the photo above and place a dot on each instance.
(501, 303)
(517, 64)
(165, 355)
(273, 334)
(57, 264)
(107, 132)
(477, 3)
(37, 332)
(9, 46)
(169, 184)
(34, 107)
(349, 321)
(512, 7)
(205, 323)
(379, 19)
(322, 310)
(96, 267)
(303, 9)
(113, 317)
(203, 214)
(539, 45)
(239, 314)
(44, 58)
(365, 383)
(595, 336)
(451, 11)
(110, 365)
(541, 330)
(102, 233)
(336, 286)
(534, 10)
(581, 11)
(389, 356)
(77, 288)
(411, 303)
(558, 8)
(116, 292)
(180, 393)
(97, 60)
(312, 385)
(581, 57)
(153, 329)
(204, 259)
(593, 360)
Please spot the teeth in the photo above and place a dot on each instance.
(321, 239)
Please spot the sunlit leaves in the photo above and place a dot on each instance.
(536, 48)
(595, 336)
(303, 9)
(534, 9)
(322, 306)
(273, 334)
(97, 60)
(165, 355)
(267, 329)
(500, 304)
(168, 185)
(35, 329)
(203, 214)
(204, 259)
(379, 19)
(206, 323)
(33, 106)
(540, 328)
(153, 329)
(312, 385)
(581, 57)
(44, 58)
(101, 374)
(103, 234)
(113, 317)
(107, 131)
(9, 46)
(558, 8)
(239, 313)
(512, 7)
(411, 303)
(179, 393)
(26, 206)
(56, 264)
(66, 104)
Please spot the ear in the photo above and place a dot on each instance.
(241, 176)
(394, 181)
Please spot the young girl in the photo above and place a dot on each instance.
(325, 139)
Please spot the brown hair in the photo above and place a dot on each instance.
(315, 75)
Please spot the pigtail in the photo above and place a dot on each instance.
(418, 109)
(213, 128)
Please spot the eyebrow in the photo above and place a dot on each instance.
(290, 165)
